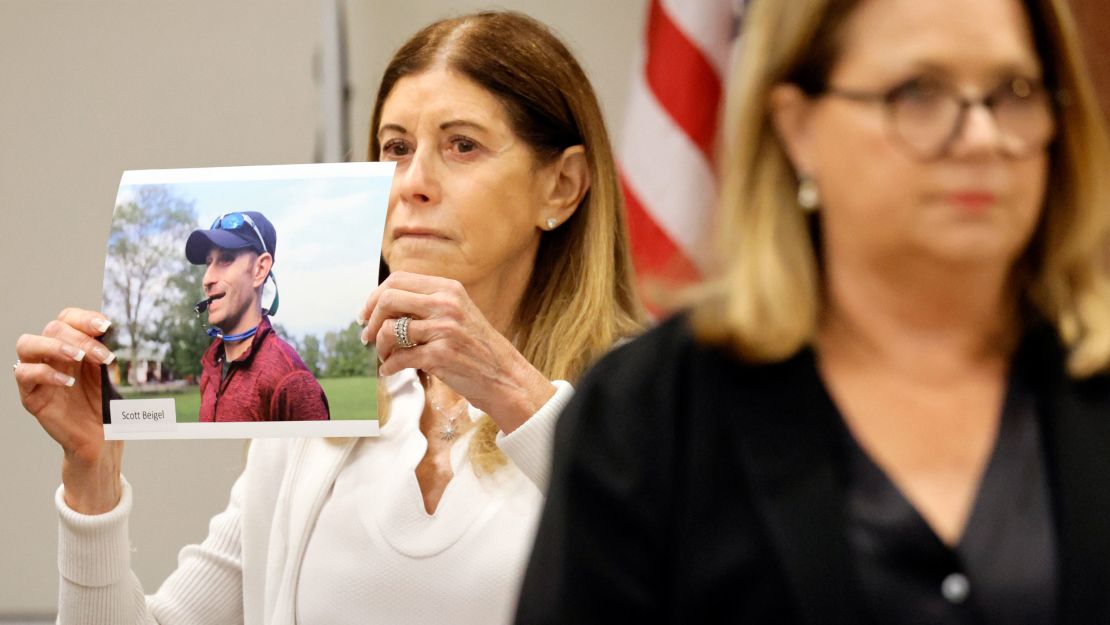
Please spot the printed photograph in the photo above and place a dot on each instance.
(234, 293)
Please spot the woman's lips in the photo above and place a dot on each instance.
(975, 201)
(418, 233)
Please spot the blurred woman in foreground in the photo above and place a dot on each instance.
(892, 405)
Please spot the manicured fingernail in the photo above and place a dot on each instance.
(101, 325)
(360, 320)
(103, 355)
(73, 352)
(362, 337)
(62, 378)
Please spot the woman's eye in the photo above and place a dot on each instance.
(1020, 89)
(395, 148)
(918, 90)
(463, 145)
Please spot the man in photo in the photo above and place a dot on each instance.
(248, 372)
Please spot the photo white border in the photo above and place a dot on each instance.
(256, 172)
(258, 429)
(341, 428)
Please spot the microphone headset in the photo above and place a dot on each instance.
(270, 301)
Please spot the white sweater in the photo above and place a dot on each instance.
(378, 557)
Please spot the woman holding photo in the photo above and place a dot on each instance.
(509, 274)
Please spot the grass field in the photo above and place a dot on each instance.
(348, 398)
(352, 398)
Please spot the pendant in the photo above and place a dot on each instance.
(449, 432)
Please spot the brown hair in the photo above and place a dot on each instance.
(765, 301)
(580, 298)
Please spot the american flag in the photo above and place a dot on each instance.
(667, 151)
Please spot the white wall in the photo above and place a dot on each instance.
(90, 89)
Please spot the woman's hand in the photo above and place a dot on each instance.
(455, 343)
(58, 375)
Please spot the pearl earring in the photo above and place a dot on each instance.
(808, 196)
(551, 223)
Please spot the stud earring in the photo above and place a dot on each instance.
(551, 223)
(808, 196)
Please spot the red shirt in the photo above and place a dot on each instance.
(268, 383)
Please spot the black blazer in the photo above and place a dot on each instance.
(690, 487)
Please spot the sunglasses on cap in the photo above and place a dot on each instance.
(235, 221)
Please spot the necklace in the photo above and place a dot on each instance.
(450, 431)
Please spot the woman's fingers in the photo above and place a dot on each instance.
(414, 358)
(427, 353)
(404, 281)
(388, 342)
(447, 300)
(397, 280)
(33, 348)
(63, 355)
(394, 303)
(436, 308)
(74, 329)
(89, 322)
(58, 374)
(29, 375)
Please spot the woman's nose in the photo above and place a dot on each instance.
(979, 133)
(417, 178)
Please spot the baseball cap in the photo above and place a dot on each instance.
(232, 231)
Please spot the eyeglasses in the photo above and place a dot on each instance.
(234, 221)
(926, 115)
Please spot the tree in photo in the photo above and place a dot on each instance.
(180, 327)
(346, 356)
(308, 348)
(312, 354)
(146, 248)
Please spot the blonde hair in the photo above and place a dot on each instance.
(581, 296)
(765, 299)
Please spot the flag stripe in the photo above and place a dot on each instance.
(681, 78)
(666, 154)
(653, 252)
(711, 26)
(667, 172)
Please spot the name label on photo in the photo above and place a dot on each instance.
(143, 415)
